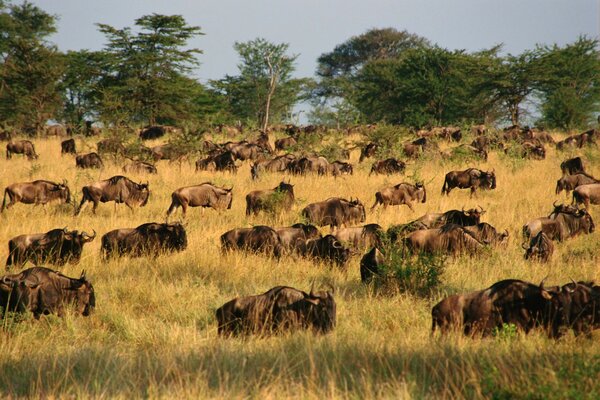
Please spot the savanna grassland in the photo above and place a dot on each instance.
(153, 333)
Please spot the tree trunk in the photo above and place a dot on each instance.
(272, 84)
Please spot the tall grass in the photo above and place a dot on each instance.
(153, 333)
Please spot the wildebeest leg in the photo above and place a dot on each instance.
(473, 189)
(82, 205)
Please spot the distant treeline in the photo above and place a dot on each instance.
(143, 76)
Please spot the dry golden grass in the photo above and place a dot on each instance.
(153, 333)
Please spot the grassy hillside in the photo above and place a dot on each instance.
(154, 335)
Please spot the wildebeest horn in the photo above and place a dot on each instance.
(65, 230)
(65, 182)
(542, 282)
(312, 289)
(82, 277)
(84, 233)
(554, 204)
(6, 281)
(337, 245)
(575, 288)
(524, 246)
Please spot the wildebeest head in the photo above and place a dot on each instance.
(463, 217)
(563, 209)
(488, 179)
(587, 221)
(73, 242)
(63, 191)
(321, 310)
(85, 298)
(285, 188)
(356, 206)
(310, 231)
(421, 186)
(176, 236)
(144, 192)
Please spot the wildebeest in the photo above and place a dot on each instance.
(397, 233)
(110, 146)
(468, 151)
(281, 196)
(139, 167)
(570, 182)
(119, 189)
(371, 265)
(388, 166)
(68, 146)
(532, 150)
(166, 151)
(368, 151)
(280, 309)
(572, 166)
(335, 212)
(277, 164)
(313, 164)
(152, 132)
(540, 248)
(56, 247)
(360, 237)
(337, 168)
(449, 239)
(203, 195)
(510, 301)
(327, 248)
(246, 151)
(578, 308)
(587, 194)
(472, 178)
(221, 162)
(462, 217)
(150, 239)
(260, 239)
(36, 192)
(24, 147)
(285, 143)
(486, 233)
(402, 193)
(563, 223)
(49, 291)
(292, 237)
(90, 160)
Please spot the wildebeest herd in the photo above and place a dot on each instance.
(575, 305)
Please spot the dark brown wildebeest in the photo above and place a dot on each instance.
(49, 292)
(335, 212)
(540, 248)
(55, 130)
(277, 164)
(313, 164)
(371, 264)
(531, 150)
(139, 167)
(388, 166)
(152, 132)
(460, 217)
(90, 160)
(587, 194)
(360, 237)
(368, 151)
(67, 147)
(449, 239)
(579, 309)
(510, 301)
(280, 197)
(166, 151)
(402, 193)
(396, 233)
(572, 166)
(535, 134)
(203, 195)
(285, 143)
(337, 168)
(565, 222)
(260, 239)
(570, 182)
(110, 146)
(24, 147)
(221, 162)
(119, 189)
(281, 309)
(478, 130)
(472, 178)
(36, 192)
(150, 239)
(327, 249)
(486, 233)
(482, 143)
(294, 236)
(263, 143)
(56, 247)
(246, 151)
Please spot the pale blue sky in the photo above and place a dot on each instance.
(313, 27)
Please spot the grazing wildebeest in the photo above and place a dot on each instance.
(285, 143)
(166, 151)
(246, 151)
(587, 194)
(360, 237)
(396, 233)
(260, 239)
(152, 132)
(203, 195)
(478, 130)
(481, 143)
(110, 146)
(572, 166)
(312, 164)
(337, 168)
(565, 222)
(535, 151)
(371, 265)
(50, 291)
(36, 192)
(510, 301)
(292, 237)
(24, 147)
(280, 309)
(402, 193)
(90, 160)
(150, 239)
(388, 166)
(281, 196)
(449, 239)
(277, 164)
(570, 182)
(221, 162)
(486, 233)
(118, 189)
(263, 143)
(139, 167)
(335, 212)
(328, 249)
(56, 247)
(540, 248)
(460, 217)
(368, 151)
(472, 178)
(67, 147)
(578, 309)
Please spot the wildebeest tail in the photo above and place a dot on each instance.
(378, 200)
(445, 186)
(577, 197)
(6, 192)
(10, 260)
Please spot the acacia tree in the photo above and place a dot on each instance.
(264, 87)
